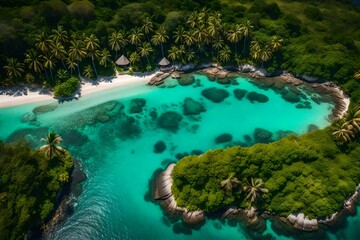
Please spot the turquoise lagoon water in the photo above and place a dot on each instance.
(116, 150)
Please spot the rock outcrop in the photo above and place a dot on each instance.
(301, 222)
(163, 192)
(158, 79)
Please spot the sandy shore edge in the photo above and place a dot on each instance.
(23, 95)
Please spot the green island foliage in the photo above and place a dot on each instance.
(67, 88)
(311, 173)
(29, 184)
(41, 41)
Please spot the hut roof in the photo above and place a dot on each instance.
(122, 61)
(164, 62)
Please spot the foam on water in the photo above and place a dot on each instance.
(115, 203)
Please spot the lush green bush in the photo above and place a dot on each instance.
(308, 174)
(66, 89)
(29, 183)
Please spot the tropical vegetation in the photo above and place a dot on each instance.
(42, 41)
(30, 181)
(312, 173)
(67, 88)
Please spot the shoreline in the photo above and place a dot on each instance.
(15, 96)
(24, 95)
(251, 217)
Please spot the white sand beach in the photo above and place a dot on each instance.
(17, 96)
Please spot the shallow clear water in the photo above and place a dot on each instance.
(116, 149)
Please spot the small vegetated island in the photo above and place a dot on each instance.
(53, 43)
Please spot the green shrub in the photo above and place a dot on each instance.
(66, 89)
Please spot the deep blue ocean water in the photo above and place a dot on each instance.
(116, 149)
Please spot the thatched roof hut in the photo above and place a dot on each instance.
(122, 61)
(164, 62)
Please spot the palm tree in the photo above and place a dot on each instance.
(189, 38)
(104, 57)
(357, 75)
(344, 133)
(43, 43)
(179, 34)
(147, 27)
(190, 55)
(88, 72)
(201, 34)
(134, 58)
(34, 60)
(159, 38)
(59, 35)
(92, 45)
(254, 189)
(59, 52)
(276, 43)
(224, 54)
(71, 64)
(62, 74)
(135, 36)
(77, 52)
(234, 35)
(255, 50)
(192, 19)
(14, 69)
(50, 64)
(115, 42)
(173, 53)
(145, 51)
(246, 31)
(352, 118)
(230, 183)
(265, 55)
(51, 147)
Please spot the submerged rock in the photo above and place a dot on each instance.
(257, 97)
(28, 117)
(196, 152)
(283, 134)
(136, 105)
(223, 80)
(262, 135)
(45, 108)
(290, 96)
(159, 147)
(127, 127)
(186, 80)
(32, 135)
(153, 114)
(214, 94)
(169, 120)
(74, 137)
(312, 128)
(223, 138)
(305, 105)
(239, 93)
(192, 107)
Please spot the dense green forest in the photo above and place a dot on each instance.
(312, 174)
(29, 183)
(46, 42)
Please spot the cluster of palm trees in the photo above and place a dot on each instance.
(203, 36)
(60, 51)
(348, 128)
(253, 188)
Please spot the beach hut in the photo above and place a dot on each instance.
(164, 64)
(122, 61)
